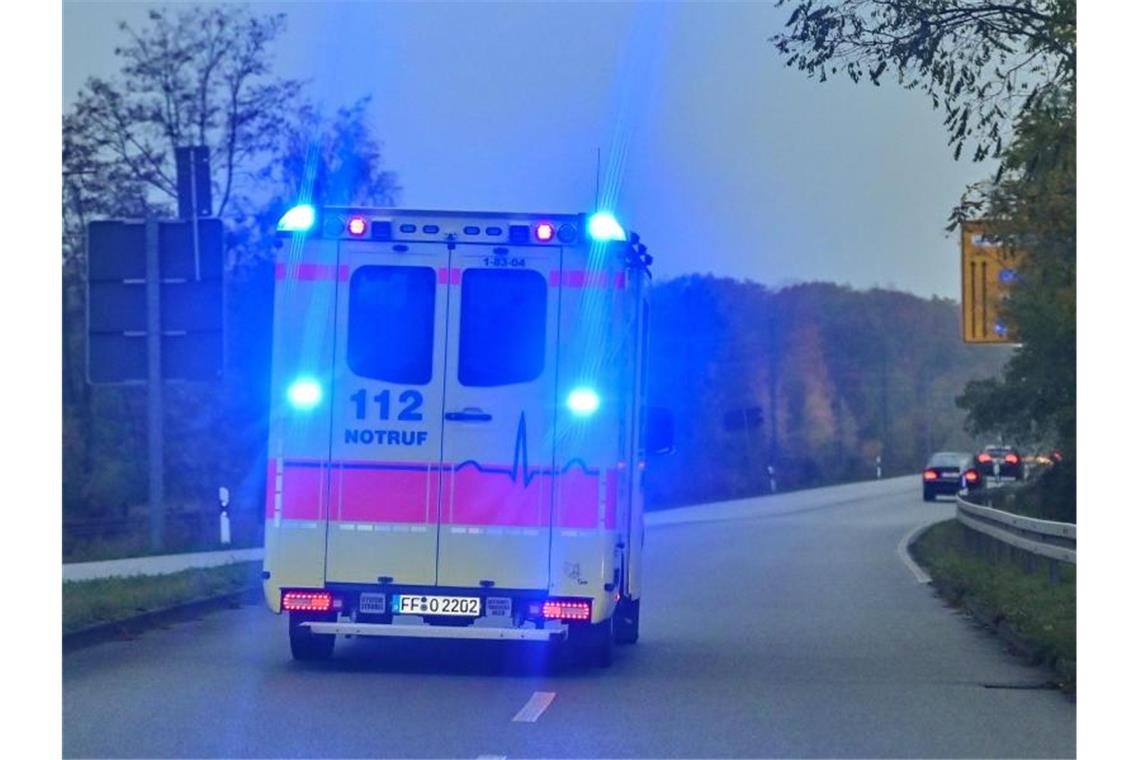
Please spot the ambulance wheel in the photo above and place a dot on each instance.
(306, 645)
(627, 618)
(593, 644)
(604, 643)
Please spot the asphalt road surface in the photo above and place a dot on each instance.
(775, 627)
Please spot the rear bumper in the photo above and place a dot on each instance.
(437, 632)
(942, 486)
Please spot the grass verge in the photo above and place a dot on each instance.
(109, 600)
(1040, 616)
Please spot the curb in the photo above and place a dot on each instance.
(1006, 633)
(132, 627)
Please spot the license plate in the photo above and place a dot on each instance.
(419, 604)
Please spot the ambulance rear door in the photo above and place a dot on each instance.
(498, 418)
(387, 402)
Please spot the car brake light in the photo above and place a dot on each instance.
(983, 457)
(565, 609)
(1011, 458)
(971, 476)
(929, 474)
(307, 601)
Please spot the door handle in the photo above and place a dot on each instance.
(469, 414)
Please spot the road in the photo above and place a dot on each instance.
(788, 626)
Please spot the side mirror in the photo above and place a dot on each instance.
(658, 430)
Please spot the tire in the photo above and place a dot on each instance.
(592, 644)
(306, 645)
(603, 648)
(627, 621)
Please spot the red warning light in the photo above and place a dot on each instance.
(307, 601)
(356, 226)
(544, 231)
(566, 609)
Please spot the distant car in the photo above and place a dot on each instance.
(948, 472)
(1001, 462)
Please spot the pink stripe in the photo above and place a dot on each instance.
(577, 500)
(578, 278)
(573, 279)
(619, 281)
(303, 493)
(448, 275)
(611, 498)
(312, 272)
(483, 498)
(397, 496)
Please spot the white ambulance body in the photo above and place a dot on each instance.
(458, 427)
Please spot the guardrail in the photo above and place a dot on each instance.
(1054, 541)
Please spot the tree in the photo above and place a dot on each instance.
(983, 63)
(1035, 208)
(197, 76)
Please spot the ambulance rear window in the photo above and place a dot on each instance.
(502, 326)
(391, 319)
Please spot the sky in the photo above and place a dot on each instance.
(722, 158)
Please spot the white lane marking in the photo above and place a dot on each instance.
(491, 757)
(534, 707)
(920, 575)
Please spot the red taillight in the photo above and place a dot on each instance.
(544, 231)
(564, 609)
(930, 475)
(971, 476)
(1011, 459)
(307, 601)
(357, 225)
(983, 458)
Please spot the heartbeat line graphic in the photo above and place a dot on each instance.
(521, 463)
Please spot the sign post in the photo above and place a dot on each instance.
(154, 314)
(155, 454)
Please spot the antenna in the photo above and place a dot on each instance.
(598, 179)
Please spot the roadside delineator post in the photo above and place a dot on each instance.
(224, 515)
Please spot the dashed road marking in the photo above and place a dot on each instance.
(534, 707)
(919, 574)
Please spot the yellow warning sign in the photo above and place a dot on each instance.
(989, 270)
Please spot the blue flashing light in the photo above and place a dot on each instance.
(1007, 275)
(602, 227)
(304, 393)
(298, 219)
(1001, 329)
(583, 401)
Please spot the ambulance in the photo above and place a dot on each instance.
(458, 428)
